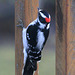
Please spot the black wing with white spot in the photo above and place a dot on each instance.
(32, 35)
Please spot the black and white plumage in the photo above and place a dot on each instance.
(34, 39)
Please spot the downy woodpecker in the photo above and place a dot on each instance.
(34, 39)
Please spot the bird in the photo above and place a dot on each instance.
(34, 38)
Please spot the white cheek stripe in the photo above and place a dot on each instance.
(48, 26)
(49, 16)
(42, 15)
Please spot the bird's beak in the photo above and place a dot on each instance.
(39, 9)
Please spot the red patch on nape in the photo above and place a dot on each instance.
(47, 20)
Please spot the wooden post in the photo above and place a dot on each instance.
(25, 10)
(65, 37)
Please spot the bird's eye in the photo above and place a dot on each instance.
(42, 20)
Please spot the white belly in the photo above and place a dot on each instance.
(25, 47)
(40, 40)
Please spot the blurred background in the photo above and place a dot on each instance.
(7, 39)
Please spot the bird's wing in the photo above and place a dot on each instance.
(32, 35)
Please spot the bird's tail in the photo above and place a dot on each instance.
(29, 68)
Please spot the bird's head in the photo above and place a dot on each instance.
(43, 16)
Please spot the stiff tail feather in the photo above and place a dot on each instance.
(30, 67)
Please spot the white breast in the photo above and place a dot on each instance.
(24, 44)
(25, 47)
(48, 26)
(24, 38)
(40, 40)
